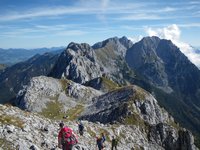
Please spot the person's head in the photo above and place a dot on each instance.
(61, 124)
(113, 137)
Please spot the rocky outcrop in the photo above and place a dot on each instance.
(78, 63)
(143, 58)
(22, 130)
(175, 81)
(136, 107)
(110, 54)
(15, 77)
(129, 113)
(120, 45)
(170, 138)
(38, 93)
(25, 130)
(126, 101)
(134, 113)
(42, 90)
(82, 63)
(103, 84)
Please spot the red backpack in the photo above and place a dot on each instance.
(68, 137)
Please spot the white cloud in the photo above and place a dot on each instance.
(41, 12)
(172, 32)
(135, 39)
(134, 11)
(141, 16)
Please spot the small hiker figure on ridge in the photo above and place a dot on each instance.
(103, 138)
(80, 128)
(114, 143)
(100, 141)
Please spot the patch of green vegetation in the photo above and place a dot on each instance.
(8, 119)
(110, 85)
(6, 145)
(122, 136)
(92, 133)
(197, 141)
(174, 124)
(65, 83)
(53, 110)
(105, 54)
(74, 112)
(134, 119)
(139, 94)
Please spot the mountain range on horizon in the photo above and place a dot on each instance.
(153, 64)
(12, 56)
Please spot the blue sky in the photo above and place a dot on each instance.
(47, 23)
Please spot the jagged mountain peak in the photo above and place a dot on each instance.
(78, 63)
(114, 40)
(76, 46)
(148, 43)
(81, 62)
(152, 57)
(126, 42)
(103, 43)
(151, 38)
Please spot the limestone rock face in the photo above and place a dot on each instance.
(43, 90)
(38, 93)
(77, 63)
(16, 76)
(170, 138)
(90, 83)
(82, 62)
(134, 106)
(110, 54)
(176, 78)
(27, 130)
(130, 113)
(124, 102)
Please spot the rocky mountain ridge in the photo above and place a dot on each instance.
(27, 130)
(152, 63)
(143, 124)
(164, 66)
(13, 78)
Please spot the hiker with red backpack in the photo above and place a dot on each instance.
(66, 137)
